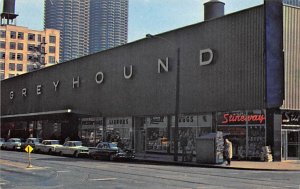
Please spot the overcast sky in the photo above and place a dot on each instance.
(145, 16)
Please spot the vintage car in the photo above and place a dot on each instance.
(12, 144)
(73, 148)
(110, 151)
(1, 142)
(47, 146)
(30, 141)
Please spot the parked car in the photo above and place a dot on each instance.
(12, 144)
(47, 146)
(110, 151)
(1, 142)
(30, 141)
(73, 148)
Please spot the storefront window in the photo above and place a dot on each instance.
(157, 138)
(91, 131)
(246, 130)
(189, 128)
(119, 130)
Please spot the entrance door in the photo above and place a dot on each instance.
(291, 144)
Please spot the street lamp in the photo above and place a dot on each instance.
(176, 112)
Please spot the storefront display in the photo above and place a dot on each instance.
(157, 139)
(189, 128)
(246, 130)
(91, 131)
(119, 130)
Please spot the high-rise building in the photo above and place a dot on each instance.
(22, 49)
(87, 26)
(292, 2)
(71, 17)
(108, 24)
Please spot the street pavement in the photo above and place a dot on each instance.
(77, 173)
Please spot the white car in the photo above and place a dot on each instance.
(47, 146)
(1, 142)
(73, 148)
(12, 144)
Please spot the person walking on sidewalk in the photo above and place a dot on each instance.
(228, 151)
(183, 144)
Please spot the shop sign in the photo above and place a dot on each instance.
(291, 118)
(206, 58)
(156, 121)
(239, 119)
(123, 121)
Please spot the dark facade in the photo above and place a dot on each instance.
(224, 68)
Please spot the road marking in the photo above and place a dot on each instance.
(63, 171)
(103, 179)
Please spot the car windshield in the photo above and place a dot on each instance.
(113, 146)
(16, 140)
(77, 143)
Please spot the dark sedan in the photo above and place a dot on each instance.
(110, 151)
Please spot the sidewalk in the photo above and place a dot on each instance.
(247, 165)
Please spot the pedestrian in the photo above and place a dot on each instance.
(228, 151)
(183, 144)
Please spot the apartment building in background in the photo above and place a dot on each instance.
(72, 19)
(109, 24)
(87, 26)
(22, 49)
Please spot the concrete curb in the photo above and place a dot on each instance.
(207, 165)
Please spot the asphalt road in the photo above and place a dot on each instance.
(51, 172)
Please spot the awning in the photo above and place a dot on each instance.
(57, 114)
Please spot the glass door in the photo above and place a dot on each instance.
(293, 144)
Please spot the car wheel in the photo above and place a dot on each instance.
(50, 151)
(76, 154)
(60, 153)
(14, 148)
(111, 157)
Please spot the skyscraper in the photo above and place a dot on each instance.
(87, 26)
(108, 24)
(71, 17)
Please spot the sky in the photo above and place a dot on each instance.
(145, 16)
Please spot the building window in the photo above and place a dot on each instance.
(20, 46)
(12, 56)
(30, 47)
(13, 35)
(2, 66)
(20, 67)
(2, 44)
(12, 67)
(11, 75)
(2, 55)
(29, 57)
(51, 59)
(52, 39)
(20, 35)
(20, 56)
(1, 76)
(51, 49)
(39, 38)
(2, 33)
(31, 37)
(12, 45)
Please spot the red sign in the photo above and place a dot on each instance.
(236, 118)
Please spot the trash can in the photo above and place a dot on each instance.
(209, 148)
